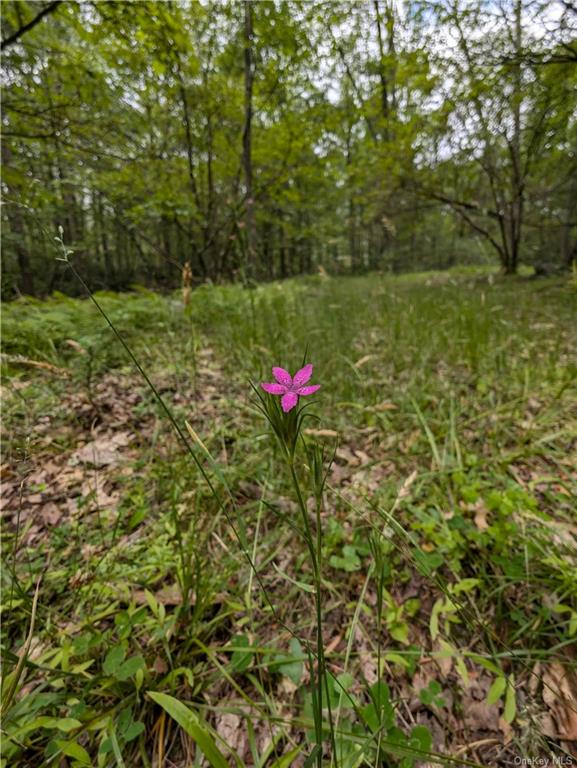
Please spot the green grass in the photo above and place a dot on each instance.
(467, 380)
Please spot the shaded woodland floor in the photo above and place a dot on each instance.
(451, 399)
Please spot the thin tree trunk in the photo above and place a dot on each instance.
(568, 253)
(382, 75)
(282, 248)
(194, 251)
(390, 16)
(353, 250)
(516, 208)
(26, 281)
(108, 263)
(247, 142)
(14, 214)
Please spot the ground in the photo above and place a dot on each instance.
(450, 403)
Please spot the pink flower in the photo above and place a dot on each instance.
(291, 388)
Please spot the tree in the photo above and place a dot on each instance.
(268, 139)
(500, 121)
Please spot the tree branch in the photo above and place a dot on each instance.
(15, 36)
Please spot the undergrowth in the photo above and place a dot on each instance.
(448, 551)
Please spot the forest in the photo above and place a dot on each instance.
(262, 140)
(289, 384)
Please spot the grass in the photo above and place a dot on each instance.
(449, 525)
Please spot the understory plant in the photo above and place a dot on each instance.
(286, 419)
(370, 736)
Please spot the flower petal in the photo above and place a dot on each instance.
(289, 401)
(308, 390)
(283, 377)
(301, 377)
(273, 388)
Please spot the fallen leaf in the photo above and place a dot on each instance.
(160, 666)
(21, 360)
(362, 361)
(386, 405)
(560, 695)
(348, 456)
(96, 495)
(228, 727)
(480, 518)
(75, 346)
(479, 716)
(442, 658)
(321, 432)
(51, 513)
(170, 594)
(102, 452)
(286, 688)
(506, 730)
(333, 644)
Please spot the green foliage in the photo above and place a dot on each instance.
(372, 146)
(291, 665)
(196, 729)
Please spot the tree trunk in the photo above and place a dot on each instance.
(568, 252)
(516, 207)
(382, 75)
(390, 16)
(353, 248)
(282, 248)
(26, 281)
(108, 263)
(194, 251)
(14, 214)
(247, 142)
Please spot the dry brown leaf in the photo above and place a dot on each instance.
(339, 473)
(321, 432)
(371, 431)
(479, 716)
(75, 346)
(560, 695)
(21, 360)
(364, 457)
(534, 679)
(51, 514)
(442, 659)
(409, 441)
(368, 666)
(362, 361)
(506, 730)
(102, 452)
(406, 486)
(386, 405)
(160, 666)
(18, 384)
(96, 496)
(37, 647)
(347, 455)
(286, 688)
(480, 518)
(228, 726)
(333, 644)
(169, 595)
(6, 471)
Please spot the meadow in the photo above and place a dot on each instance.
(158, 598)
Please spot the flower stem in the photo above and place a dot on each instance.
(315, 553)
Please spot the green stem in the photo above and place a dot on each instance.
(316, 557)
